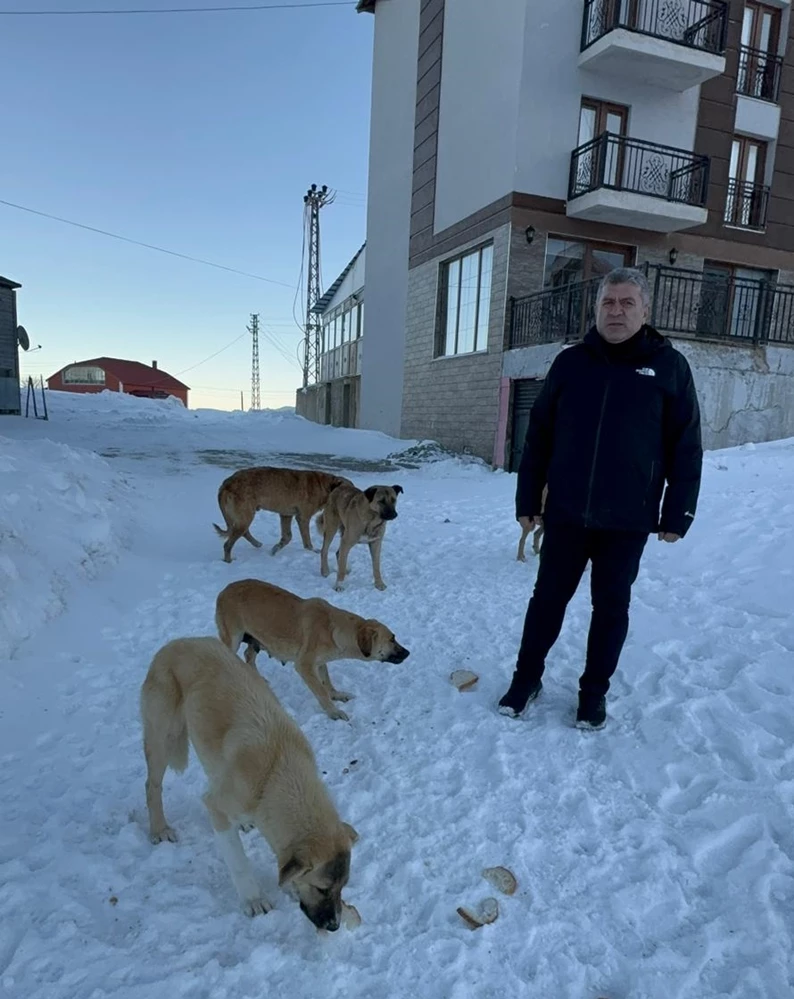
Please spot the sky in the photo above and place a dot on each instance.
(196, 132)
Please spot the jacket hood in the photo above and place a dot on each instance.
(645, 343)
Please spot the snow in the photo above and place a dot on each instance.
(654, 859)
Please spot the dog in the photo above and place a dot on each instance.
(538, 532)
(361, 516)
(298, 493)
(310, 633)
(260, 767)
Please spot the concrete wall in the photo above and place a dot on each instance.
(454, 400)
(325, 403)
(746, 393)
(478, 118)
(511, 90)
(389, 211)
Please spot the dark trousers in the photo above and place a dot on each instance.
(566, 550)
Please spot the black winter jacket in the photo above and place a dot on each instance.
(612, 425)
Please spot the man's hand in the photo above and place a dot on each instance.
(668, 536)
(528, 523)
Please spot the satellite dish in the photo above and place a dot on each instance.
(22, 338)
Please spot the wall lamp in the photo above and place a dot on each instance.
(672, 256)
(529, 232)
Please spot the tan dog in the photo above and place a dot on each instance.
(260, 767)
(310, 633)
(297, 493)
(538, 532)
(361, 516)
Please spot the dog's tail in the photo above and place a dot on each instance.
(163, 715)
(223, 532)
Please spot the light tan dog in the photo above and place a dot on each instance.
(538, 532)
(310, 633)
(297, 493)
(361, 516)
(260, 767)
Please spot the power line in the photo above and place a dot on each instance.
(184, 10)
(148, 246)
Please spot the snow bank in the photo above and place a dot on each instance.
(115, 420)
(62, 513)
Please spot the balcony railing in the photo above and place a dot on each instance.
(623, 164)
(555, 315)
(698, 24)
(746, 204)
(759, 74)
(684, 303)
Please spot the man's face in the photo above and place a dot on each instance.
(620, 312)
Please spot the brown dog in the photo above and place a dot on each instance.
(310, 633)
(538, 532)
(260, 767)
(289, 493)
(361, 516)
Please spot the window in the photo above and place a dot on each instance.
(745, 205)
(596, 118)
(466, 301)
(579, 260)
(759, 63)
(84, 375)
(734, 301)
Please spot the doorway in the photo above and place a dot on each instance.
(525, 392)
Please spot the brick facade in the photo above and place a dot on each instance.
(454, 400)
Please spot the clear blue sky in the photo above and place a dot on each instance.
(196, 132)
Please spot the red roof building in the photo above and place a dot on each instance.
(117, 375)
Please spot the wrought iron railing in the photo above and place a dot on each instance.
(698, 24)
(623, 164)
(759, 74)
(554, 315)
(746, 204)
(685, 303)
(722, 307)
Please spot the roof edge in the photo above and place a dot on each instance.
(8, 283)
(365, 7)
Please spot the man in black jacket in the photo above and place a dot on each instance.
(614, 434)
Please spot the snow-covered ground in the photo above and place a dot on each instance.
(654, 859)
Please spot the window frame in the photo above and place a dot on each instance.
(443, 302)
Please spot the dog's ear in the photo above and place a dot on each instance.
(366, 639)
(398, 489)
(291, 869)
(352, 831)
(370, 492)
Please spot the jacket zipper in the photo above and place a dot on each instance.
(595, 456)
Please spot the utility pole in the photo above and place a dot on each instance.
(253, 329)
(314, 199)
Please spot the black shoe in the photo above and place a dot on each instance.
(592, 712)
(517, 698)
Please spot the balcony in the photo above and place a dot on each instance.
(675, 44)
(759, 74)
(685, 303)
(629, 182)
(745, 205)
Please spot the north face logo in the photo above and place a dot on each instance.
(645, 371)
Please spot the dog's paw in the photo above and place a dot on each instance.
(324, 571)
(165, 835)
(246, 827)
(521, 558)
(337, 713)
(341, 695)
(339, 587)
(276, 549)
(257, 906)
(380, 585)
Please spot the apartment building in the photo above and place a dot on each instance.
(519, 150)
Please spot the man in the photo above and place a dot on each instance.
(616, 426)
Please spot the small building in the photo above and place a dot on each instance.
(335, 397)
(118, 375)
(9, 348)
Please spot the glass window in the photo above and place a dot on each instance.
(466, 287)
(84, 375)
